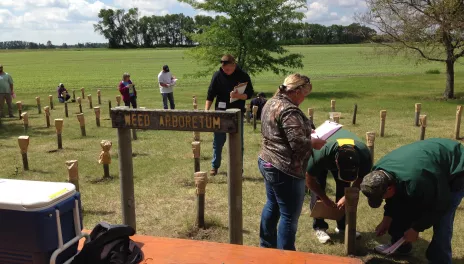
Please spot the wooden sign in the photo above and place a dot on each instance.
(204, 121)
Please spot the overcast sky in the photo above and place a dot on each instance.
(71, 21)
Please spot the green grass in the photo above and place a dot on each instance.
(163, 165)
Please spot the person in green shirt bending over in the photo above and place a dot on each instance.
(422, 184)
(6, 92)
(346, 157)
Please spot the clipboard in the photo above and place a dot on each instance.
(326, 130)
(320, 210)
(240, 88)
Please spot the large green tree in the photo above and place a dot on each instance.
(432, 29)
(247, 29)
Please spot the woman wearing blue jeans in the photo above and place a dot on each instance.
(285, 151)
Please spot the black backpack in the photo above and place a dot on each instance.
(110, 244)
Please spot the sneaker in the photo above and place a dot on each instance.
(403, 250)
(213, 172)
(338, 231)
(322, 236)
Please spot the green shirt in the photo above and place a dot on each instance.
(424, 171)
(5, 82)
(323, 160)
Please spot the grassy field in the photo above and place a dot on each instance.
(163, 165)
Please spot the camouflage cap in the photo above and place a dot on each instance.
(374, 187)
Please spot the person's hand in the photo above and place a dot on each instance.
(383, 227)
(318, 143)
(411, 235)
(341, 203)
(234, 94)
(328, 202)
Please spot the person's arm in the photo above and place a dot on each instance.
(122, 87)
(293, 126)
(208, 105)
(212, 92)
(11, 83)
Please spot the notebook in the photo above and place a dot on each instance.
(326, 130)
(241, 89)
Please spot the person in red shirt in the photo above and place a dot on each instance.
(127, 90)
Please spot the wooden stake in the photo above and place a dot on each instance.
(23, 142)
(255, 112)
(351, 207)
(89, 97)
(423, 124)
(311, 114)
(109, 108)
(47, 115)
(118, 100)
(370, 139)
(196, 155)
(457, 127)
(332, 105)
(99, 97)
(247, 113)
(383, 116)
(79, 102)
(195, 105)
(59, 131)
(83, 92)
(50, 98)
(73, 173)
(105, 157)
(355, 111)
(39, 109)
(25, 118)
(19, 105)
(201, 179)
(80, 118)
(196, 136)
(417, 114)
(97, 115)
(66, 109)
(336, 118)
(74, 95)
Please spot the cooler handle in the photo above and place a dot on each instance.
(77, 228)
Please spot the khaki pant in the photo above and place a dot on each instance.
(6, 97)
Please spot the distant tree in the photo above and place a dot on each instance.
(64, 46)
(49, 45)
(248, 32)
(432, 29)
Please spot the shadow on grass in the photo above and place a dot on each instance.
(8, 130)
(41, 171)
(102, 180)
(98, 213)
(212, 227)
(334, 95)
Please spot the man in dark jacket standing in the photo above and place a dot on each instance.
(221, 88)
(422, 184)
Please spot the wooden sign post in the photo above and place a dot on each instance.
(23, 142)
(66, 109)
(118, 100)
(383, 116)
(196, 156)
(97, 115)
(205, 121)
(332, 105)
(423, 124)
(47, 115)
(99, 97)
(370, 139)
(417, 114)
(79, 102)
(105, 157)
(355, 111)
(83, 93)
(255, 112)
(247, 113)
(80, 118)
(25, 118)
(457, 127)
(73, 173)
(19, 105)
(89, 97)
(311, 114)
(59, 131)
(201, 179)
(39, 109)
(50, 98)
(351, 207)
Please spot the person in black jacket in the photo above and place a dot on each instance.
(221, 88)
(259, 101)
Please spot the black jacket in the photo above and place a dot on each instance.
(222, 84)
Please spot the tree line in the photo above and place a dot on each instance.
(17, 44)
(129, 30)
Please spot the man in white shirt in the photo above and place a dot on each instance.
(166, 83)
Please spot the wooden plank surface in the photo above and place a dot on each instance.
(178, 120)
(159, 250)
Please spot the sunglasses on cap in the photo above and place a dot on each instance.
(225, 62)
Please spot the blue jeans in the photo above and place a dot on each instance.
(285, 196)
(62, 100)
(218, 143)
(166, 97)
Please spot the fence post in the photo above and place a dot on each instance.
(81, 119)
(73, 173)
(39, 109)
(332, 105)
(25, 117)
(99, 97)
(423, 124)
(351, 207)
(417, 114)
(59, 131)
(370, 139)
(47, 115)
(97, 115)
(19, 105)
(201, 179)
(457, 128)
(23, 142)
(50, 98)
(355, 111)
(383, 116)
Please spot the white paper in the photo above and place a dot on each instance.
(173, 82)
(240, 89)
(393, 247)
(327, 129)
(222, 105)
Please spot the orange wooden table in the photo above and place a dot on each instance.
(160, 250)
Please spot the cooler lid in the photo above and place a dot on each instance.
(21, 195)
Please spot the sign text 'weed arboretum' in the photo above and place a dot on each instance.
(204, 121)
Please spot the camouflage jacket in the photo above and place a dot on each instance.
(286, 133)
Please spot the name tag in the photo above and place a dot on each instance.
(222, 105)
